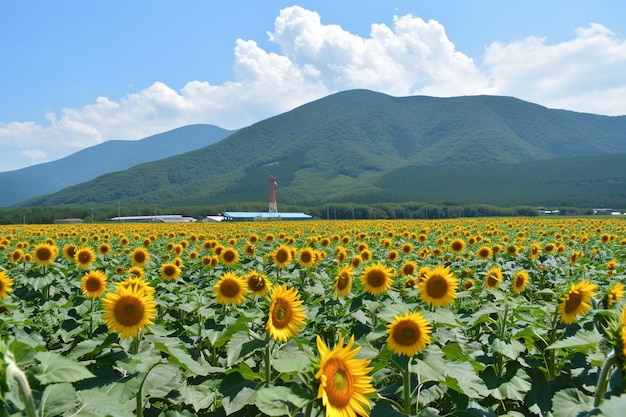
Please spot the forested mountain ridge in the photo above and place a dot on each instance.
(346, 147)
(106, 157)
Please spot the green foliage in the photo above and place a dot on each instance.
(364, 147)
(109, 156)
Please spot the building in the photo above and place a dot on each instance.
(251, 216)
(159, 218)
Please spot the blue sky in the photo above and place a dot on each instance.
(77, 73)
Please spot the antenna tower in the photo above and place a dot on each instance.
(273, 206)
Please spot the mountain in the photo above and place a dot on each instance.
(363, 146)
(110, 156)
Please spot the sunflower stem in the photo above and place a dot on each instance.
(22, 382)
(268, 362)
(407, 387)
(93, 303)
(552, 352)
(603, 381)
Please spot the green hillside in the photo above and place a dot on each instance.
(106, 157)
(363, 146)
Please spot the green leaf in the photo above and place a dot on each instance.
(162, 380)
(461, 377)
(200, 396)
(613, 406)
(280, 401)
(582, 341)
(241, 345)
(237, 392)
(178, 356)
(570, 402)
(513, 385)
(432, 365)
(290, 359)
(56, 368)
(96, 403)
(57, 399)
(510, 349)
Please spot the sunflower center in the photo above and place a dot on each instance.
(519, 281)
(282, 256)
(406, 333)
(140, 257)
(129, 311)
(437, 286)
(169, 270)
(376, 278)
(342, 282)
(339, 389)
(492, 280)
(44, 254)
(230, 288)
(93, 284)
(305, 257)
(281, 315)
(573, 301)
(256, 283)
(229, 256)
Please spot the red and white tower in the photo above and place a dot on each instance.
(273, 206)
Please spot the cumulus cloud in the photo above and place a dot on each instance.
(411, 57)
(583, 74)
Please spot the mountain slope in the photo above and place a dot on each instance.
(345, 144)
(110, 156)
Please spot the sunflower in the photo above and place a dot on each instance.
(137, 271)
(282, 256)
(356, 261)
(84, 257)
(6, 284)
(258, 283)
(484, 252)
(616, 293)
(344, 380)
(439, 286)
(138, 284)
(377, 278)
(520, 281)
(229, 256)
(409, 268)
(392, 256)
(45, 254)
(104, 249)
(69, 251)
(493, 278)
(307, 257)
(16, 256)
(286, 315)
(457, 245)
(140, 257)
(93, 284)
(128, 310)
(577, 301)
(469, 283)
(230, 289)
(407, 248)
(249, 249)
(408, 334)
(343, 281)
(170, 271)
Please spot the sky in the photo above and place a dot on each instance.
(76, 73)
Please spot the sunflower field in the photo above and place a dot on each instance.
(463, 317)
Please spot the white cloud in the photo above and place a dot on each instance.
(411, 57)
(583, 74)
(34, 154)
